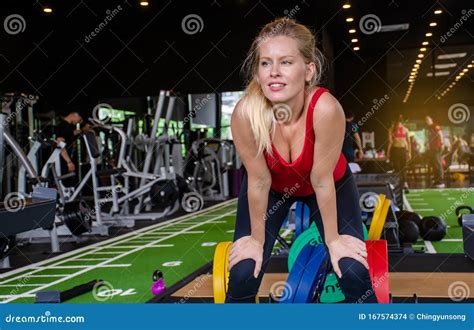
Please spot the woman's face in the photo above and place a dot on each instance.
(282, 71)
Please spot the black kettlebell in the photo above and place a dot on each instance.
(433, 228)
(408, 216)
(409, 231)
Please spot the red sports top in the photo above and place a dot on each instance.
(400, 132)
(294, 178)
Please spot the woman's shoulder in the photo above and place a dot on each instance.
(327, 103)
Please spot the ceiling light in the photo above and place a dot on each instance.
(437, 73)
(354, 40)
(420, 55)
(352, 31)
(444, 65)
(450, 56)
(349, 19)
(347, 5)
(433, 24)
(143, 3)
(429, 34)
(418, 61)
(423, 49)
(356, 48)
(438, 11)
(47, 10)
(425, 43)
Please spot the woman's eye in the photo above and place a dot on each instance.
(285, 62)
(265, 63)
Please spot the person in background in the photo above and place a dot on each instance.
(434, 148)
(399, 149)
(351, 138)
(66, 132)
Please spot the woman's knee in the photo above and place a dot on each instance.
(353, 270)
(242, 279)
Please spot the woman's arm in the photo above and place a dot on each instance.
(329, 129)
(328, 123)
(258, 174)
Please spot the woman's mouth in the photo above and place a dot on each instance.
(277, 86)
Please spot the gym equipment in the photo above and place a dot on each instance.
(306, 279)
(208, 163)
(77, 216)
(164, 193)
(409, 231)
(433, 228)
(158, 286)
(408, 216)
(377, 258)
(378, 220)
(468, 234)
(461, 211)
(220, 273)
(302, 218)
(331, 292)
(57, 297)
(6, 245)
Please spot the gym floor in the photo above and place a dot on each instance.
(184, 244)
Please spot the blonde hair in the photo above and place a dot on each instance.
(256, 107)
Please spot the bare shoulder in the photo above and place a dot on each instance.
(329, 108)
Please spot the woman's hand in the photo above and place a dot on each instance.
(246, 247)
(347, 246)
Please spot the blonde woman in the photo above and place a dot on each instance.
(289, 132)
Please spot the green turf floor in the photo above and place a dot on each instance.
(177, 248)
(442, 203)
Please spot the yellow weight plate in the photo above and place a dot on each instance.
(220, 271)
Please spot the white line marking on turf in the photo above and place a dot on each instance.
(423, 210)
(419, 203)
(406, 204)
(82, 266)
(46, 275)
(12, 295)
(90, 259)
(106, 244)
(416, 199)
(103, 262)
(452, 240)
(429, 247)
(20, 285)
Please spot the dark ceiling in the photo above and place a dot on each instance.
(140, 50)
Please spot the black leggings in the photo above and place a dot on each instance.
(355, 282)
(398, 156)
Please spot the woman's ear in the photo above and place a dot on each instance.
(310, 71)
